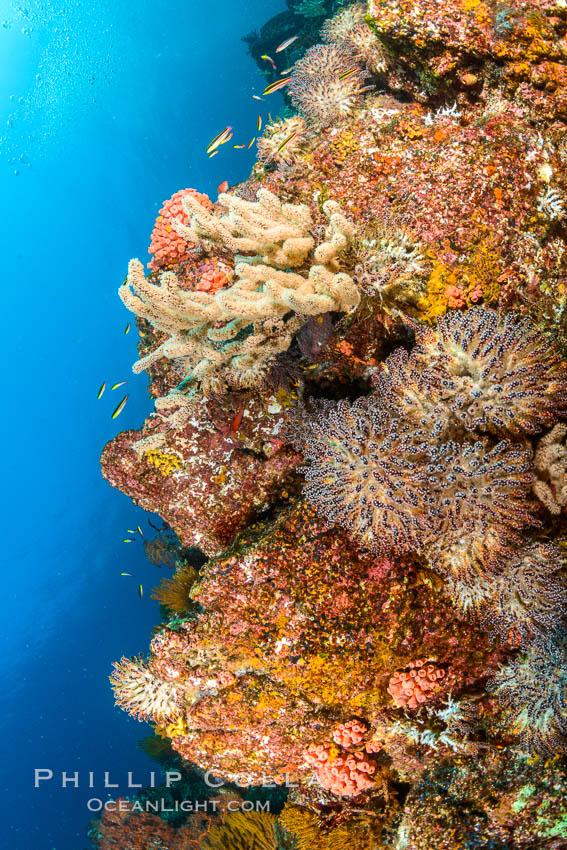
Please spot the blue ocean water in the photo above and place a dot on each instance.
(107, 108)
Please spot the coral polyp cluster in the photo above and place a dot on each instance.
(415, 685)
(367, 472)
(346, 775)
(282, 141)
(526, 600)
(166, 247)
(349, 28)
(550, 485)
(483, 503)
(499, 375)
(326, 85)
(533, 687)
(142, 693)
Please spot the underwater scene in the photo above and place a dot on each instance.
(286, 500)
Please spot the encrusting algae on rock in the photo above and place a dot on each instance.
(358, 357)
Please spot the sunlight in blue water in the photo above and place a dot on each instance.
(105, 112)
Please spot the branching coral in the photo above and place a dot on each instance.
(143, 694)
(231, 336)
(326, 85)
(274, 232)
(162, 550)
(533, 690)
(499, 374)
(550, 485)
(350, 29)
(360, 832)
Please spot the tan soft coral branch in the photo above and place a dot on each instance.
(228, 337)
(276, 232)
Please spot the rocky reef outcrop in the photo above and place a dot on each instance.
(358, 361)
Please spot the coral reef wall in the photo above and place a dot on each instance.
(358, 361)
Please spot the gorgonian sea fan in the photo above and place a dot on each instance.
(368, 473)
(499, 374)
(533, 689)
(143, 694)
(317, 90)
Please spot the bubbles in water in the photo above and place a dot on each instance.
(76, 56)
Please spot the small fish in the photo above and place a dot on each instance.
(222, 187)
(131, 530)
(128, 540)
(140, 591)
(219, 139)
(256, 97)
(287, 71)
(279, 84)
(155, 528)
(346, 74)
(251, 142)
(140, 532)
(239, 147)
(127, 574)
(286, 141)
(120, 407)
(127, 329)
(228, 138)
(270, 60)
(119, 384)
(286, 43)
(237, 419)
(214, 153)
(259, 123)
(101, 390)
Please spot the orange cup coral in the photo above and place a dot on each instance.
(166, 246)
(417, 684)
